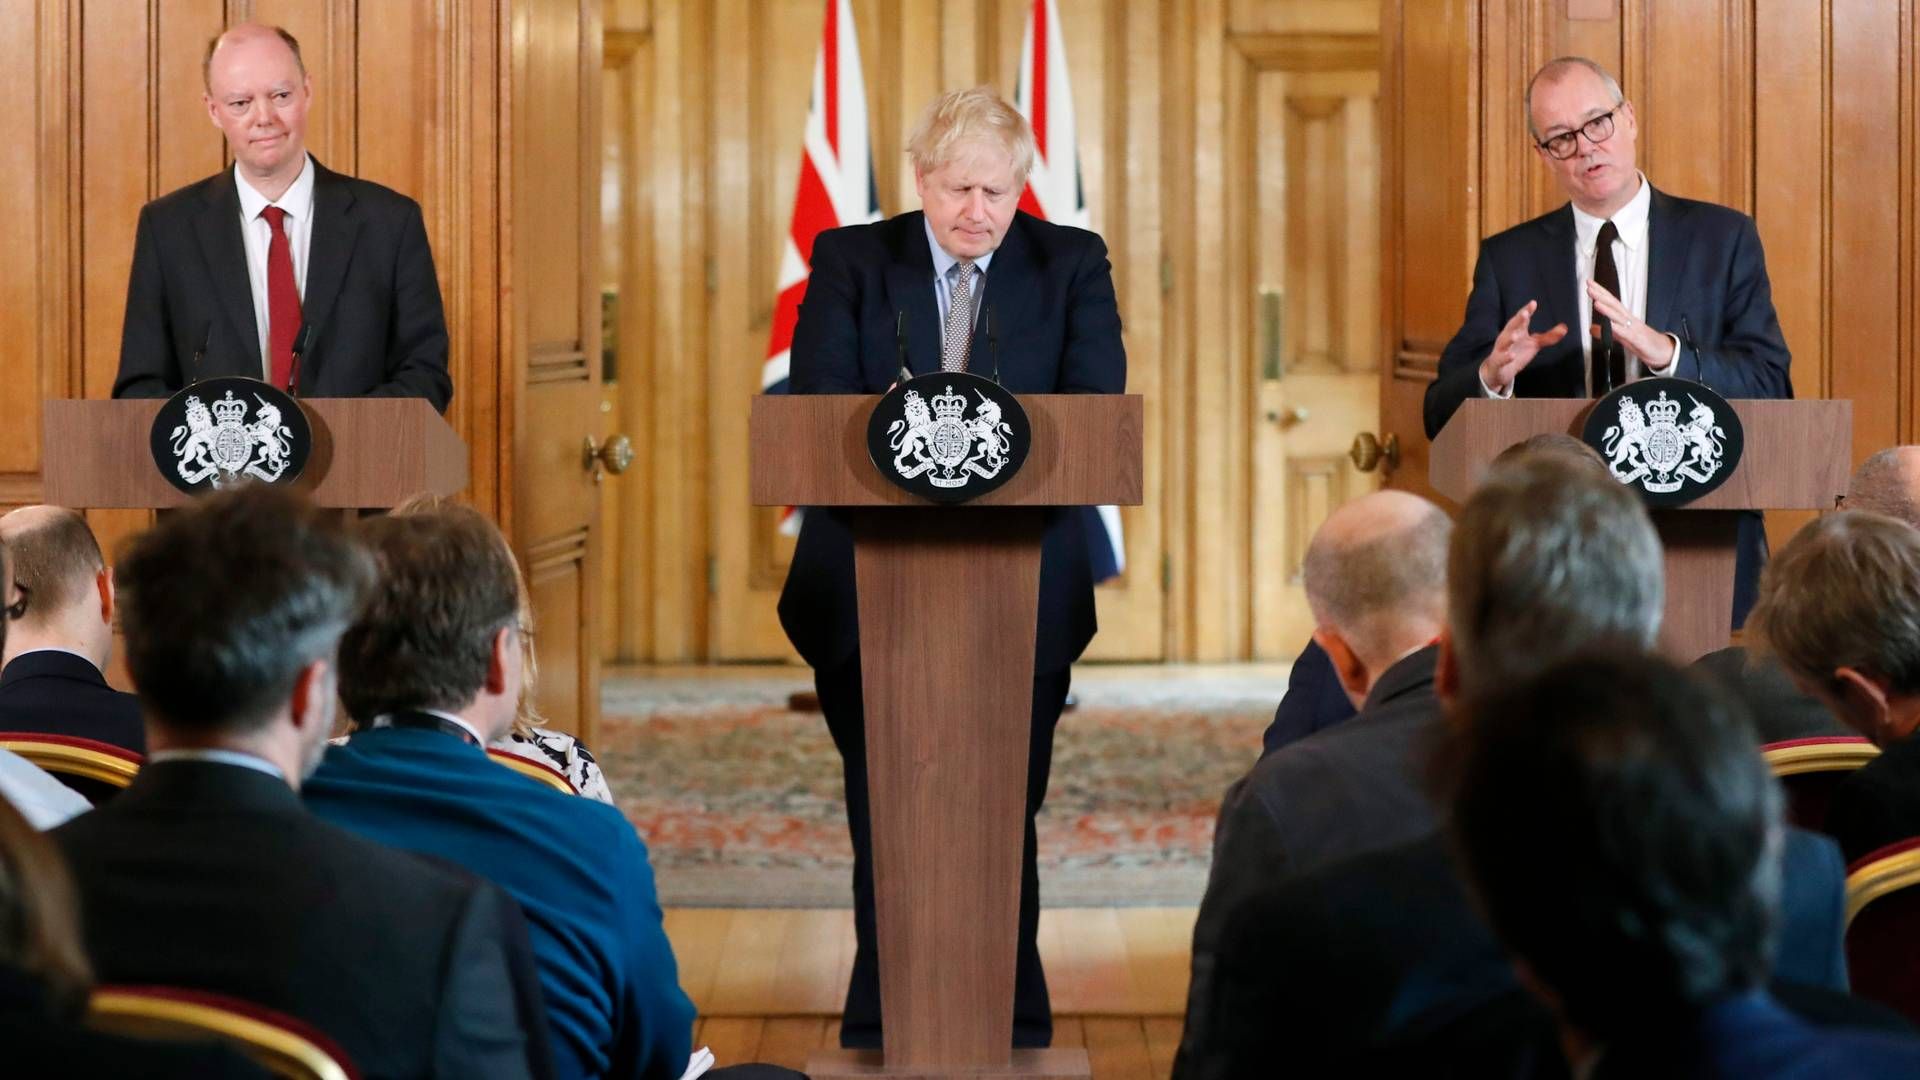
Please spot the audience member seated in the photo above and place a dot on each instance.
(431, 673)
(1550, 558)
(61, 634)
(530, 737)
(1639, 890)
(207, 873)
(1781, 710)
(1315, 700)
(1375, 577)
(45, 978)
(43, 800)
(1840, 609)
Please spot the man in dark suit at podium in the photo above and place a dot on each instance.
(930, 284)
(280, 269)
(1679, 287)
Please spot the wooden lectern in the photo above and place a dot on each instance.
(1797, 458)
(949, 596)
(368, 453)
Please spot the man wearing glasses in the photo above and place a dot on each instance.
(1623, 281)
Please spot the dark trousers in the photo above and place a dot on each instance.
(840, 700)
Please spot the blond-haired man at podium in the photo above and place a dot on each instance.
(923, 288)
(1623, 281)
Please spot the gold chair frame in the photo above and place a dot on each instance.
(75, 760)
(1882, 876)
(282, 1052)
(1820, 757)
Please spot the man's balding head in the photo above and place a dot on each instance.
(1375, 577)
(258, 94)
(59, 570)
(1888, 483)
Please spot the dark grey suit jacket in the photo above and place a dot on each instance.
(59, 693)
(1340, 792)
(371, 305)
(214, 877)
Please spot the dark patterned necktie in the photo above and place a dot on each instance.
(1607, 365)
(958, 334)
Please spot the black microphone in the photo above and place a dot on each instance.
(900, 344)
(1604, 370)
(200, 355)
(993, 345)
(1686, 332)
(302, 341)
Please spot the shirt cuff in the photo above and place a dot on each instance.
(1488, 391)
(1673, 358)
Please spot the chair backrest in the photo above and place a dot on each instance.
(1883, 927)
(281, 1044)
(539, 770)
(70, 756)
(1810, 770)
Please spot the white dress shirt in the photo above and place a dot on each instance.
(1629, 259)
(297, 201)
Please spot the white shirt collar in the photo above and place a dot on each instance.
(221, 757)
(1630, 220)
(943, 262)
(297, 200)
(54, 648)
(387, 721)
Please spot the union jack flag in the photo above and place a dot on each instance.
(836, 188)
(1054, 191)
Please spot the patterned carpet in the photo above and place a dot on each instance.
(740, 800)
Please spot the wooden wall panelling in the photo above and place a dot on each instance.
(1909, 129)
(1692, 66)
(32, 219)
(328, 31)
(625, 264)
(1181, 63)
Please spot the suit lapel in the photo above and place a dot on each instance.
(226, 255)
(1557, 258)
(910, 290)
(1665, 258)
(1012, 283)
(335, 227)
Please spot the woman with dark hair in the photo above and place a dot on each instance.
(45, 979)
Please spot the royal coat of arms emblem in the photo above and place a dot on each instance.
(948, 436)
(1642, 437)
(206, 439)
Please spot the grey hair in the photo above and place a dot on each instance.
(1554, 69)
(1362, 588)
(1550, 556)
(1881, 485)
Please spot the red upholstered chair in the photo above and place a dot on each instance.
(1883, 927)
(539, 770)
(95, 769)
(281, 1044)
(1810, 769)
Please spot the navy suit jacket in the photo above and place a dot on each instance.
(1315, 970)
(1314, 700)
(213, 877)
(372, 299)
(1050, 293)
(577, 868)
(59, 693)
(1752, 1036)
(1706, 283)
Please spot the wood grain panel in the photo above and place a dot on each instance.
(327, 31)
(22, 369)
(1696, 108)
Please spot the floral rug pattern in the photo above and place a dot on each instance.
(740, 799)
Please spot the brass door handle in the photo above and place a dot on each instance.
(1289, 417)
(612, 456)
(1368, 451)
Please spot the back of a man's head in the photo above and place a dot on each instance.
(1622, 836)
(1844, 593)
(424, 641)
(1550, 557)
(225, 602)
(1375, 573)
(1888, 483)
(56, 561)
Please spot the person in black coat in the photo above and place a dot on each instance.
(1691, 297)
(338, 298)
(919, 283)
(208, 873)
(62, 634)
(1840, 611)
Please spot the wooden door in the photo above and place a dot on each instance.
(552, 144)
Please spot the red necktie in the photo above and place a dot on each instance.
(283, 300)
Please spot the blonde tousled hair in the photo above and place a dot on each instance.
(959, 119)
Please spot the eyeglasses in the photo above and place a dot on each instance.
(18, 609)
(1597, 130)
